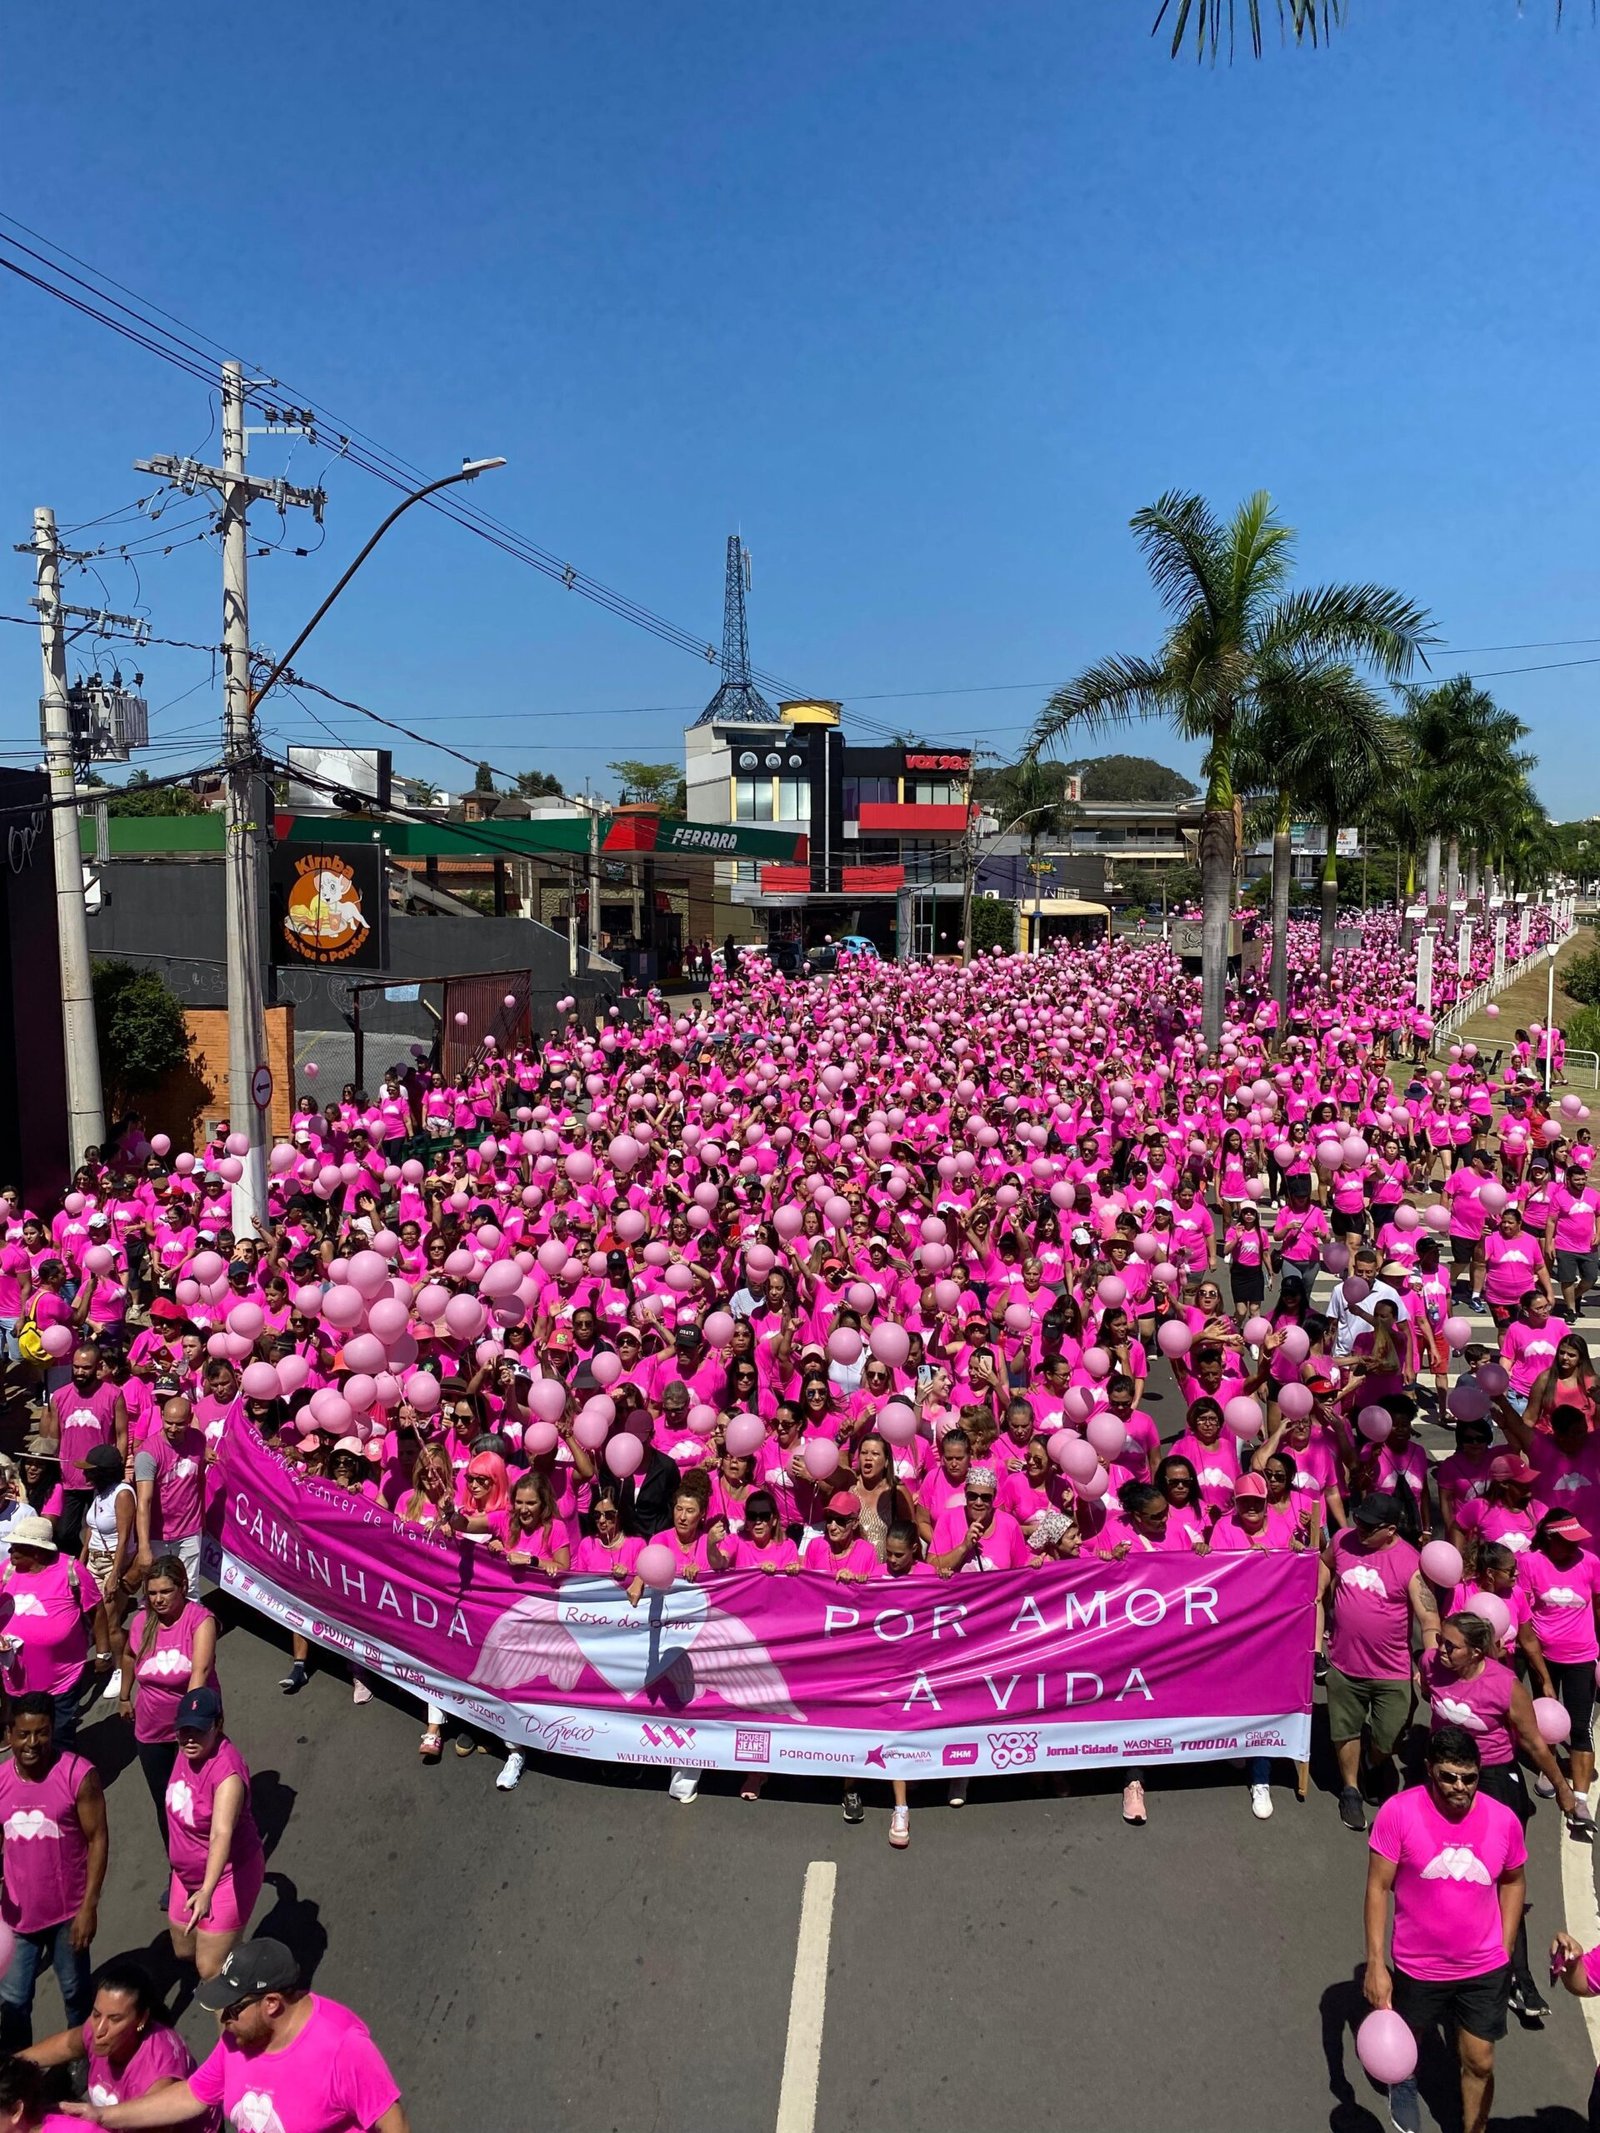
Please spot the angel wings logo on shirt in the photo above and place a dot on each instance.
(1215, 1477)
(31, 1822)
(159, 1664)
(675, 1646)
(1457, 1714)
(255, 2113)
(1562, 1596)
(1457, 1862)
(100, 2095)
(27, 1603)
(180, 1802)
(1363, 1579)
(1570, 1481)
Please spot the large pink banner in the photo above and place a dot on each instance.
(1159, 1658)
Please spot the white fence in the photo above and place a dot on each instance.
(1474, 1002)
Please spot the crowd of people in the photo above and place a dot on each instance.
(927, 1270)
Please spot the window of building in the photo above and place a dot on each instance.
(874, 792)
(794, 800)
(752, 799)
(932, 792)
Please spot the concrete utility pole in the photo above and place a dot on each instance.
(245, 826)
(86, 1118)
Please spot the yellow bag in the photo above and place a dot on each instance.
(29, 1345)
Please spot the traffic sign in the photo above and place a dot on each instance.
(261, 1087)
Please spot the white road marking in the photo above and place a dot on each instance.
(802, 2052)
(1582, 1911)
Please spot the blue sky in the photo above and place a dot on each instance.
(927, 299)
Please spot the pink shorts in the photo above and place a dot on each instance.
(231, 1904)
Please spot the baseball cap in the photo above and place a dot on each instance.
(1510, 1468)
(1249, 1485)
(254, 1967)
(843, 1504)
(200, 1709)
(1377, 1510)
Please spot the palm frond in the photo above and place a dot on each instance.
(1185, 550)
(1307, 21)
(1116, 692)
(1342, 622)
(1261, 549)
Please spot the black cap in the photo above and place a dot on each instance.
(103, 1459)
(255, 1966)
(199, 1710)
(1377, 1510)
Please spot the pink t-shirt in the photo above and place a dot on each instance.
(50, 1610)
(1562, 1598)
(1482, 1706)
(178, 1471)
(860, 1557)
(1371, 1638)
(45, 1853)
(162, 1673)
(592, 1558)
(161, 2055)
(330, 2079)
(85, 1419)
(191, 1798)
(1446, 1899)
(1004, 1546)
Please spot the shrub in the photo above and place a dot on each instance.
(140, 1025)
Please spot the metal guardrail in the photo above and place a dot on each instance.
(1472, 1003)
(1593, 1069)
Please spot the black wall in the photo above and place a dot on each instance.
(169, 915)
(33, 1074)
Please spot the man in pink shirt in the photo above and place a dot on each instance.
(1452, 1858)
(287, 2057)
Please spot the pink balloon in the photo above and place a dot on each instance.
(388, 1318)
(1296, 1343)
(1386, 2047)
(897, 1423)
(1256, 1330)
(364, 1351)
(547, 1397)
(624, 1455)
(745, 1435)
(1113, 1290)
(57, 1340)
(703, 1420)
(1243, 1416)
(160, 1144)
(207, 1266)
(1173, 1338)
(422, 1391)
(820, 1456)
(99, 1259)
(464, 1316)
(718, 1328)
(844, 1345)
(539, 1439)
(1097, 1362)
(1493, 1610)
(1107, 1434)
(657, 1565)
(1552, 1718)
(605, 1368)
(343, 1305)
(1295, 1400)
(261, 1382)
(360, 1391)
(1442, 1565)
(1375, 1424)
(292, 1373)
(891, 1344)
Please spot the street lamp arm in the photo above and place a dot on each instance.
(469, 472)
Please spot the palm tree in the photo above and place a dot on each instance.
(1235, 627)
(1302, 714)
(1461, 745)
(1307, 21)
(1339, 770)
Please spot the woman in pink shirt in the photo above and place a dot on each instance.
(840, 1552)
(212, 1841)
(1562, 1581)
(605, 1550)
(530, 1535)
(172, 1650)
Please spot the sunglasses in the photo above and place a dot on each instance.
(980, 1496)
(838, 1518)
(235, 2008)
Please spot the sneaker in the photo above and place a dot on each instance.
(1351, 1812)
(854, 1811)
(1580, 1823)
(1405, 2108)
(360, 1692)
(958, 1792)
(294, 1681)
(1133, 1803)
(1529, 2002)
(1319, 1668)
(685, 1784)
(1544, 1787)
(510, 1771)
(900, 1828)
(1261, 1802)
(113, 1688)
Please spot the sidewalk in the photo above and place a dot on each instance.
(1524, 1002)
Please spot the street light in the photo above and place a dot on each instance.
(974, 859)
(469, 470)
(1551, 952)
(246, 1002)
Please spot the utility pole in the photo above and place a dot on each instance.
(86, 1119)
(244, 824)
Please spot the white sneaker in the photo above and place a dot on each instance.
(1261, 1802)
(511, 1769)
(685, 1784)
(360, 1692)
(958, 1792)
(900, 1828)
(113, 1688)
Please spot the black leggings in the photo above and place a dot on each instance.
(1574, 1684)
(156, 1760)
(1504, 1782)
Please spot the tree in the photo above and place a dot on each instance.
(1305, 714)
(648, 784)
(423, 792)
(1234, 621)
(141, 1028)
(140, 797)
(1464, 771)
(1132, 777)
(1306, 21)
(538, 785)
(483, 781)
(993, 924)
